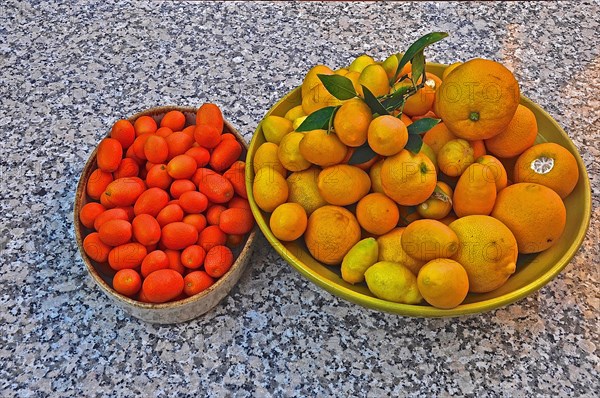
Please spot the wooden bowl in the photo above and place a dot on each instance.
(533, 270)
(172, 312)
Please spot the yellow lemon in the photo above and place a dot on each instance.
(358, 260)
(275, 128)
(269, 188)
(304, 191)
(289, 153)
(393, 282)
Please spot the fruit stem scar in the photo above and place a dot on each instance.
(474, 116)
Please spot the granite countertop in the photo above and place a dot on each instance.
(69, 70)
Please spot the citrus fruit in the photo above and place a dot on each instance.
(303, 189)
(449, 69)
(428, 239)
(270, 189)
(390, 249)
(408, 178)
(519, 135)
(455, 156)
(321, 148)
(439, 204)
(487, 250)
(443, 283)
(393, 282)
(351, 122)
(478, 99)
(375, 175)
(475, 192)
(387, 135)
(343, 184)
(360, 257)
(361, 63)
(437, 137)
(375, 79)
(318, 98)
(534, 213)
(266, 156)
(548, 164)
(275, 128)
(311, 80)
(377, 213)
(330, 234)
(420, 102)
(289, 152)
(494, 169)
(288, 221)
(294, 113)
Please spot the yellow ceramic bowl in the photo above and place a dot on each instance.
(533, 271)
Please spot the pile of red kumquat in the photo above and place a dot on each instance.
(168, 202)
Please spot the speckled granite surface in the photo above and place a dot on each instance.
(68, 71)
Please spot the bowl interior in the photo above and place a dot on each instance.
(533, 271)
(103, 274)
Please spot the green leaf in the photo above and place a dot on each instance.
(317, 120)
(373, 102)
(417, 46)
(362, 154)
(414, 144)
(397, 99)
(417, 66)
(422, 125)
(339, 86)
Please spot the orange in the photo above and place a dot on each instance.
(288, 221)
(478, 99)
(455, 156)
(322, 148)
(443, 283)
(475, 192)
(519, 135)
(269, 188)
(330, 233)
(343, 184)
(420, 102)
(377, 213)
(548, 164)
(408, 178)
(478, 148)
(494, 169)
(391, 250)
(534, 213)
(449, 69)
(266, 156)
(311, 80)
(375, 176)
(439, 204)
(437, 137)
(387, 135)
(426, 240)
(351, 122)
(218, 261)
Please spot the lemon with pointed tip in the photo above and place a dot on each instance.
(294, 113)
(275, 128)
(375, 79)
(487, 250)
(358, 260)
(360, 63)
(390, 249)
(393, 282)
(351, 122)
